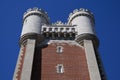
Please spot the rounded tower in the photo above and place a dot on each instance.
(84, 22)
(33, 19)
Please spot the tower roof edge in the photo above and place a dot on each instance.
(36, 10)
(81, 11)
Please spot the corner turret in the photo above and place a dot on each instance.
(33, 20)
(84, 22)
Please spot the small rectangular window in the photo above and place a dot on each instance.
(60, 68)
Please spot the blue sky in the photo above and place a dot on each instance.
(107, 14)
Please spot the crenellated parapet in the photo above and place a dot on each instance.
(80, 12)
(38, 12)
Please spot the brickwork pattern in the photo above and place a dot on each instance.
(20, 63)
(73, 59)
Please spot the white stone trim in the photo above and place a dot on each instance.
(62, 42)
(60, 68)
(28, 60)
(91, 60)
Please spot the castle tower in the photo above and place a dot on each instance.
(58, 51)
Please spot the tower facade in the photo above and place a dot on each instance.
(59, 51)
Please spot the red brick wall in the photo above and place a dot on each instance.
(73, 59)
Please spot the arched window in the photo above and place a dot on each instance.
(59, 49)
(60, 68)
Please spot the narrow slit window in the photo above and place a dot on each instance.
(60, 68)
(59, 49)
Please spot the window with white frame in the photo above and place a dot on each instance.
(59, 49)
(60, 68)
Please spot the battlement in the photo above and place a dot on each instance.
(36, 11)
(80, 12)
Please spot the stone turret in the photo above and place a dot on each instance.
(84, 22)
(33, 20)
